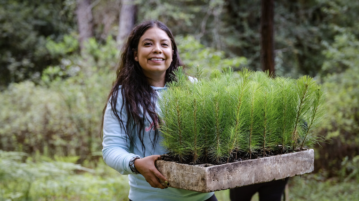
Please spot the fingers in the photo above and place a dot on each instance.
(157, 179)
(162, 179)
(147, 168)
(156, 157)
(155, 183)
(159, 175)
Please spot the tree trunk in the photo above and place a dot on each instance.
(127, 21)
(84, 20)
(267, 37)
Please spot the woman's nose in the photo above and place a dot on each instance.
(157, 49)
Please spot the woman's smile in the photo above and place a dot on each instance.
(154, 52)
(156, 60)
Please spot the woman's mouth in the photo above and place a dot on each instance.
(156, 60)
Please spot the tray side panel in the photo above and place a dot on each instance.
(183, 176)
(260, 170)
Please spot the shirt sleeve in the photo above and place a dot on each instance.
(116, 149)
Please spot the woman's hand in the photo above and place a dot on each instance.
(146, 166)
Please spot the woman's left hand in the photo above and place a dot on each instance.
(146, 166)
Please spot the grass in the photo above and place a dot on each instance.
(312, 187)
(25, 178)
(22, 179)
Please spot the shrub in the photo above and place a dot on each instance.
(341, 127)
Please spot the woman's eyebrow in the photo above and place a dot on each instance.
(165, 39)
(147, 39)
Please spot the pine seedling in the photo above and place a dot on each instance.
(272, 115)
(253, 112)
(205, 95)
(211, 119)
(232, 142)
(217, 122)
(269, 111)
(303, 87)
(166, 121)
(196, 151)
(219, 118)
(237, 92)
(175, 108)
(173, 128)
(286, 107)
(314, 116)
(181, 78)
(194, 123)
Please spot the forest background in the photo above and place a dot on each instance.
(58, 60)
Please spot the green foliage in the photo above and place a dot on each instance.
(62, 114)
(246, 111)
(25, 26)
(23, 179)
(349, 169)
(62, 48)
(314, 187)
(342, 54)
(195, 54)
(340, 128)
(302, 29)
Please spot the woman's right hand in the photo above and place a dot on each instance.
(146, 166)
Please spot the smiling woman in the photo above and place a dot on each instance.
(131, 139)
(154, 54)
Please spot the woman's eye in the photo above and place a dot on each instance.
(147, 44)
(164, 44)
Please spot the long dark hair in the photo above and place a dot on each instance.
(137, 95)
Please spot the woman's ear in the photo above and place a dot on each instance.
(135, 55)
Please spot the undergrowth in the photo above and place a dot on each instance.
(21, 178)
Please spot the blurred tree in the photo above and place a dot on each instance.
(341, 87)
(301, 27)
(267, 35)
(127, 21)
(84, 20)
(105, 19)
(25, 26)
(233, 26)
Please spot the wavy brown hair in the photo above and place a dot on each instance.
(138, 98)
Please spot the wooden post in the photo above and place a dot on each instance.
(267, 37)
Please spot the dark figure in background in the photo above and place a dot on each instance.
(269, 191)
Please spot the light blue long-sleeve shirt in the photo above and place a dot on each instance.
(117, 153)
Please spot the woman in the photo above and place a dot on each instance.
(131, 140)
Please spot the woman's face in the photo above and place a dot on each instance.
(154, 52)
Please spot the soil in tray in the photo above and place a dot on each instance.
(235, 156)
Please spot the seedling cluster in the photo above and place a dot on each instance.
(212, 120)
